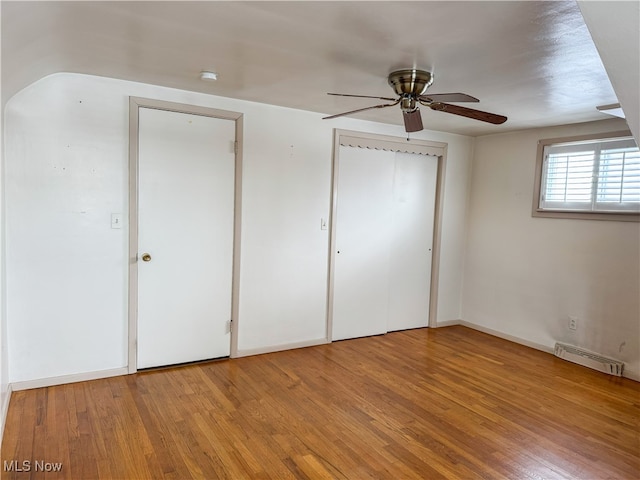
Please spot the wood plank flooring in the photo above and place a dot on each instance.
(445, 403)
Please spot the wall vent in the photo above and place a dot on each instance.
(589, 359)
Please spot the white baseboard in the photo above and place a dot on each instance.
(631, 375)
(625, 373)
(61, 380)
(505, 336)
(4, 411)
(448, 323)
(495, 333)
(279, 348)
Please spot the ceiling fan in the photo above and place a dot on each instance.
(410, 85)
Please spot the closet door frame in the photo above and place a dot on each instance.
(398, 144)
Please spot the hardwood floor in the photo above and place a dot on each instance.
(445, 403)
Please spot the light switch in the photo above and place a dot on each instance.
(116, 220)
(323, 224)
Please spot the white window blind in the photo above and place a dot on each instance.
(593, 176)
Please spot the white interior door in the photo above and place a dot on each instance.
(413, 210)
(363, 220)
(185, 226)
(383, 241)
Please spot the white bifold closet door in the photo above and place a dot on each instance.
(384, 240)
(185, 226)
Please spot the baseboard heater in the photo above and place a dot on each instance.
(589, 359)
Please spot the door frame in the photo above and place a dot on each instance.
(398, 144)
(135, 103)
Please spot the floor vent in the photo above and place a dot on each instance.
(589, 359)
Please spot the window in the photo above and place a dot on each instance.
(596, 178)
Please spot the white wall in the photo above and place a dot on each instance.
(615, 29)
(524, 276)
(453, 244)
(66, 172)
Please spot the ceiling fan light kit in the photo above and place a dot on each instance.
(410, 85)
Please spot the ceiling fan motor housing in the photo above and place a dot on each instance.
(410, 82)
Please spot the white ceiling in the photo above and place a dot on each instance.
(534, 62)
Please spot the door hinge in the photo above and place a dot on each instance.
(230, 326)
(235, 147)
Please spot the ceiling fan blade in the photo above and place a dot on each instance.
(447, 97)
(362, 110)
(412, 121)
(469, 112)
(366, 96)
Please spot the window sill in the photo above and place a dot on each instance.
(610, 216)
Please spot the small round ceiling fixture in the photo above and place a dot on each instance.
(208, 76)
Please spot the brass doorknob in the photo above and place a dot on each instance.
(146, 257)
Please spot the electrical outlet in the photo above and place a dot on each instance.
(573, 323)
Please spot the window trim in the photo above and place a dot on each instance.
(602, 215)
